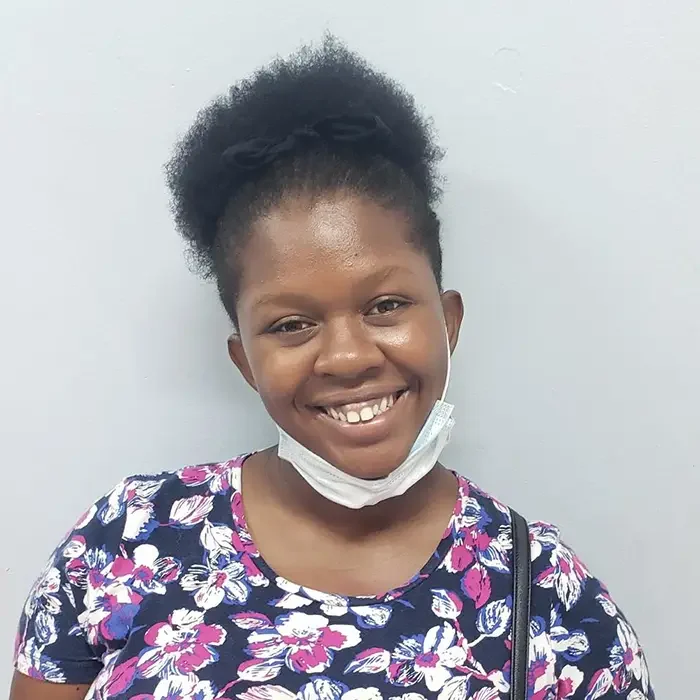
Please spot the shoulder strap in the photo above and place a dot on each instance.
(521, 607)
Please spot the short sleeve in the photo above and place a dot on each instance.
(63, 631)
(591, 648)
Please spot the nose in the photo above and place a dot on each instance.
(347, 351)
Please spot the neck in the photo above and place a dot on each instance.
(291, 492)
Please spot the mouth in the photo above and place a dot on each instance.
(362, 412)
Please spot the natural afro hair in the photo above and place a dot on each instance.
(214, 206)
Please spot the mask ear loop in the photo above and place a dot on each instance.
(449, 366)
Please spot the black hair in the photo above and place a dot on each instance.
(214, 203)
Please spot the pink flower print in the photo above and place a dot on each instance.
(110, 609)
(115, 680)
(304, 643)
(542, 662)
(223, 581)
(476, 583)
(43, 594)
(565, 574)
(146, 572)
(626, 659)
(181, 645)
(460, 556)
(431, 657)
(219, 477)
(568, 682)
(494, 552)
(86, 568)
(31, 661)
(237, 510)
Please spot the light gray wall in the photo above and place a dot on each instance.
(571, 227)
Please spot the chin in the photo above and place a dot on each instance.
(375, 462)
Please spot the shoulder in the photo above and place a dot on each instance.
(555, 567)
(141, 503)
(580, 640)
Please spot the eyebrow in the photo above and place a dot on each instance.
(296, 299)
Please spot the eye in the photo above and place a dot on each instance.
(386, 306)
(290, 325)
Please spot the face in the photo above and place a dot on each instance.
(342, 329)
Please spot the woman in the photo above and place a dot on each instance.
(345, 562)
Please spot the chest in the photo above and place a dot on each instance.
(219, 634)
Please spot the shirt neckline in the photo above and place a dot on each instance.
(435, 560)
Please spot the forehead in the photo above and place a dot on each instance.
(331, 241)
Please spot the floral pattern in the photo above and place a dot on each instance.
(159, 593)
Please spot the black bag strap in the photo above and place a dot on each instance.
(521, 607)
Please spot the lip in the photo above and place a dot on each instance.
(379, 428)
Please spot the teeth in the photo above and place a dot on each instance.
(364, 415)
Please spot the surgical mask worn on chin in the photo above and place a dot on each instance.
(353, 492)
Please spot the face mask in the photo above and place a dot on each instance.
(352, 492)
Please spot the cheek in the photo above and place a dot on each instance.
(279, 374)
(421, 348)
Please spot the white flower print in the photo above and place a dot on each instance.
(446, 604)
(43, 594)
(220, 629)
(304, 643)
(268, 692)
(543, 537)
(182, 645)
(571, 645)
(297, 597)
(187, 687)
(493, 619)
(566, 575)
(431, 657)
(362, 694)
(219, 476)
(626, 659)
(188, 512)
(216, 582)
(541, 657)
(133, 496)
(369, 616)
(217, 540)
(568, 682)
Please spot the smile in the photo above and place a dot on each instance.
(363, 411)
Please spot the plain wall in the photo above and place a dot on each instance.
(571, 220)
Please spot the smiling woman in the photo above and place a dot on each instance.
(345, 562)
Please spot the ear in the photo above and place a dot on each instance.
(453, 310)
(239, 358)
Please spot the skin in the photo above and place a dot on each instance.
(336, 303)
(25, 688)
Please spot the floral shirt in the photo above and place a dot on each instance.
(159, 593)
